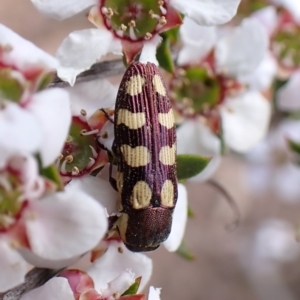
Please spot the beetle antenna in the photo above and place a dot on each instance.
(232, 203)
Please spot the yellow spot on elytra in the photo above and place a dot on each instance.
(167, 193)
(135, 85)
(120, 179)
(167, 155)
(141, 195)
(167, 119)
(131, 120)
(136, 157)
(122, 226)
(158, 85)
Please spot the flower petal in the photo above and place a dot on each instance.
(213, 12)
(288, 95)
(197, 41)
(285, 182)
(91, 96)
(57, 288)
(267, 16)
(13, 267)
(193, 137)
(179, 221)
(83, 48)
(62, 9)
(112, 263)
(275, 240)
(19, 131)
(41, 262)
(262, 77)
(23, 54)
(148, 53)
(52, 109)
(97, 188)
(65, 224)
(248, 36)
(293, 6)
(154, 293)
(245, 120)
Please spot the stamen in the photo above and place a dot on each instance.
(119, 33)
(95, 154)
(91, 132)
(6, 221)
(69, 158)
(153, 15)
(5, 183)
(132, 34)
(132, 23)
(91, 162)
(162, 9)
(75, 171)
(109, 13)
(63, 167)
(123, 27)
(148, 36)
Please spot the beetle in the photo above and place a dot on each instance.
(145, 148)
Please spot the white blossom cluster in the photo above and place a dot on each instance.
(53, 213)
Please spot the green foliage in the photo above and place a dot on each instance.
(10, 87)
(163, 54)
(189, 165)
(184, 252)
(52, 174)
(132, 290)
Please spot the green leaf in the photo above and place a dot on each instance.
(189, 165)
(184, 252)
(295, 147)
(132, 290)
(172, 34)
(191, 213)
(45, 81)
(10, 87)
(163, 55)
(52, 174)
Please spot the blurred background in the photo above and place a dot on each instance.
(259, 259)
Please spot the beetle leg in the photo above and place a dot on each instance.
(107, 115)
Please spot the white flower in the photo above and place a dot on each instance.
(115, 261)
(275, 240)
(112, 274)
(273, 166)
(46, 236)
(21, 54)
(193, 137)
(241, 115)
(245, 120)
(37, 123)
(288, 95)
(234, 55)
(293, 6)
(208, 13)
(83, 48)
(39, 126)
(180, 215)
